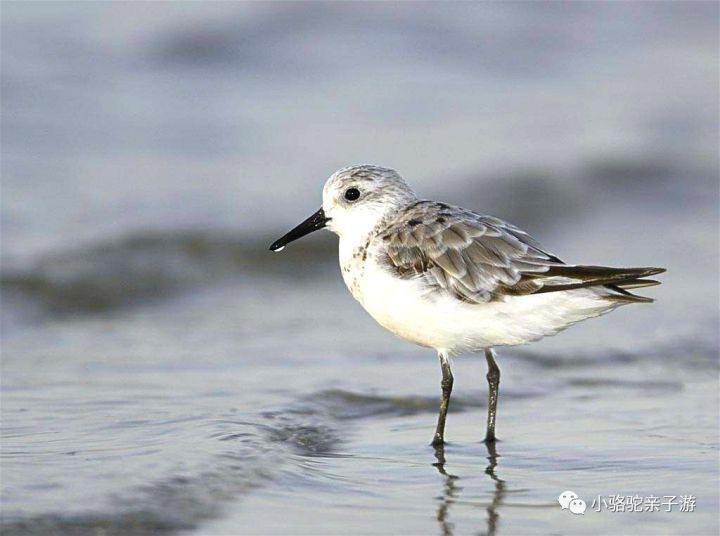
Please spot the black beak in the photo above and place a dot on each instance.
(313, 223)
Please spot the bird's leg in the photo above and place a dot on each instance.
(446, 384)
(493, 378)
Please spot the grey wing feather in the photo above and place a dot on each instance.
(479, 258)
(474, 257)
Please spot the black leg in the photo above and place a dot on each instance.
(493, 378)
(446, 384)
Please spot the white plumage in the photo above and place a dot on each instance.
(411, 311)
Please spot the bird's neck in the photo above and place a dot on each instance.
(356, 238)
(353, 246)
(353, 255)
(356, 241)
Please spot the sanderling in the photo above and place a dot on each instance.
(453, 280)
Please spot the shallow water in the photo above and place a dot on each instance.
(163, 372)
(191, 415)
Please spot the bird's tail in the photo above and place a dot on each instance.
(617, 280)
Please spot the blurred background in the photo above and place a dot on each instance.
(160, 366)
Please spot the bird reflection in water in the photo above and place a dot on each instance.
(451, 491)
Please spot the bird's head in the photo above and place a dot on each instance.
(355, 199)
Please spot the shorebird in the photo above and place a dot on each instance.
(450, 279)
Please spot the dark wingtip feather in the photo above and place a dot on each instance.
(638, 283)
(588, 272)
(614, 279)
(629, 297)
(654, 271)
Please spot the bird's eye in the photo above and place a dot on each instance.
(351, 194)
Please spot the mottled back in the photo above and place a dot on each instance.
(477, 258)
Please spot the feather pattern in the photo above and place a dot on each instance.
(479, 259)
